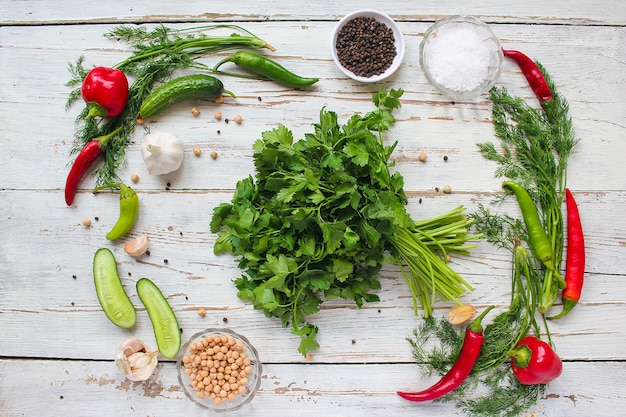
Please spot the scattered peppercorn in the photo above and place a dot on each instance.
(445, 158)
(96, 218)
(165, 261)
(259, 98)
(436, 189)
(365, 46)
(226, 121)
(219, 132)
(74, 276)
(147, 253)
(225, 320)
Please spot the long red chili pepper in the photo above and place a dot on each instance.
(92, 150)
(533, 74)
(575, 262)
(460, 370)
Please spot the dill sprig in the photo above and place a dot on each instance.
(156, 55)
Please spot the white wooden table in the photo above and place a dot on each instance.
(56, 345)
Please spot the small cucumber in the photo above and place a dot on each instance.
(111, 295)
(195, 86)
(164, 323)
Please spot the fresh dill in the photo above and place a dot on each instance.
(534, 148)
(156, 55)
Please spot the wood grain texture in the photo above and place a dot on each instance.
(56, 346)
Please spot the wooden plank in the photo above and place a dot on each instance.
(578, 12)
(586, 72)
(93, 388)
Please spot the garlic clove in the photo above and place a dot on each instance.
(137, 246)
(135, 361)
(461, 313)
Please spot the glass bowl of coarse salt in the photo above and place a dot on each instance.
(461, 57)
(219, 370)
(367, 46)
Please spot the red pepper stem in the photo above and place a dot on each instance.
(476, 326)
(95, 110)
(568, 305)
(104, 139)
(520, 356)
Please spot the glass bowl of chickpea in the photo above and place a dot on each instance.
(219, 370)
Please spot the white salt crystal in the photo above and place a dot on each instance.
(458, 59)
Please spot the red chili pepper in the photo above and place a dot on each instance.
(460, 370)
(575, 263)
(105, 90)
(533, 74)
(534, 362)
(92, 150)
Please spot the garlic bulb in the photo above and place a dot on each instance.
(135, 361)
(162, 152)
(137, 246)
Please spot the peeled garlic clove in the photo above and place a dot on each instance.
(461, 313)
(135, 361)
(137, 246)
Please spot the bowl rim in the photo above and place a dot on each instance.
(207, 403)
(398, 42)
(470, 94)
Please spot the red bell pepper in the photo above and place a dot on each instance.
(533, 361)
(105, 90)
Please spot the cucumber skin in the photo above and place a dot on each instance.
(195, 86)
(105, 263)
(155, 303)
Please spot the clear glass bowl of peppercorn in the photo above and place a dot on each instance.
(461, 57)
(367, 46)
(219, 370)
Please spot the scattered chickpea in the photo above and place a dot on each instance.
(202, 312)
(197, 151)
(218, 115)
(219, 100)
(213, 155)
(195, 112)
(422, 157)
(238, 119)
(447, 189)
(134, 178)
(87, 222)
(140, 121)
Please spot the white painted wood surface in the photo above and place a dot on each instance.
(56, 346)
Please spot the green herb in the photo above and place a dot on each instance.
(534, 149)
(321, 216)
(156, 55)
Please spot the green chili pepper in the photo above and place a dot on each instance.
(538, 239)
(265, 67)
(129, 207)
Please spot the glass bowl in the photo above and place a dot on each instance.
(461, 57)
(237, 357)
(380, 17)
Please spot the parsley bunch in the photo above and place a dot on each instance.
(321, 217)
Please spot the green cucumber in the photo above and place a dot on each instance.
(195, 86)
(110, 291)
(164, 323)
